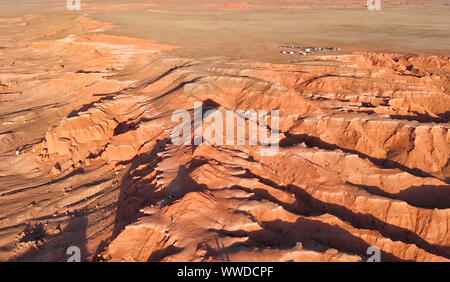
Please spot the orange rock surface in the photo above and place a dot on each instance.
(86, 151)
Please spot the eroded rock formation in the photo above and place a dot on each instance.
(363, 158)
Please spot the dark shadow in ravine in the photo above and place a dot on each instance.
(313, 235)
(177, 188)
(54, 247)
(312, 141)
(158, 255)
(149, 158)
(368, 221)
(443, 118)
(424, 196)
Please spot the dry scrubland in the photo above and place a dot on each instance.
(86, 99)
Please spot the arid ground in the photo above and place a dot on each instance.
(87, 158)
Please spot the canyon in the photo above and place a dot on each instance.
(87, 159)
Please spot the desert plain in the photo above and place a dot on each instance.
(87, 158)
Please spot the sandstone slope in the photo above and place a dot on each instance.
(87, 157)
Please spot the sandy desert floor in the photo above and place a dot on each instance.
(86, 158)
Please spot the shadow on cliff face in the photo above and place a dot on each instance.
(368, 221)
(424, 196)
(313, 235)
(299, 207)
(442, 118)
(160, 254)
(313, 141)
(127, 213)
(129, 204)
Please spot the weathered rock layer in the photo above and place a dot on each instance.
(363, 158)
